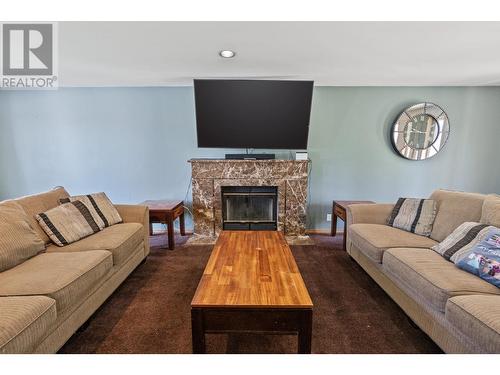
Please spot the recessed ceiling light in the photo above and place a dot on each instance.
(227, 54)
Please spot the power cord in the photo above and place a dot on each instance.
(185, 197)
(309, 187)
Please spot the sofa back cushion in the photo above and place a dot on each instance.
(37, 203)
(18, 240)
(491, 210)
(453, 209)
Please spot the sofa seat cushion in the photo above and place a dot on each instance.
(478, 317)
(373, 239)
(432, 278)
(24, 322)
(66, 277)
(120, 239)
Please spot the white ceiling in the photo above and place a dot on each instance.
(330, 53)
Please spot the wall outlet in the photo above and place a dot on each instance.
(328, 217)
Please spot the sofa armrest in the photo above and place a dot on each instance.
(371, 213)
(132, 213)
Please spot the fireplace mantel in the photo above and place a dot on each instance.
(289, 176)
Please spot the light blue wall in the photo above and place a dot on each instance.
(134, 143)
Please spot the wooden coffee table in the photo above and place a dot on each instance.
(251, 284)
(165, 211)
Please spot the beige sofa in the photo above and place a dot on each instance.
(45, 299)
(458, 310)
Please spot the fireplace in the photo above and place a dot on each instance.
(288, 177)
(249, 207)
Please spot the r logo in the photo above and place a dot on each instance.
(27, 49)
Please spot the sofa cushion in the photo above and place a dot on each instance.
(491, 211)
(18, 241)
(453, 209)
(100, 206)
(34, 204)
(68, 223)
(373, 239)
(414, 215)
(66, 277)
(121, 240)
(478, 317)
(431, 277)
(24, 322)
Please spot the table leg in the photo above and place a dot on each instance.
(345, 234)
(170, 231)
(305, 333)
(333, 232)
(181, 225)
(197, 331)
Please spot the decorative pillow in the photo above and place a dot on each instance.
(461, 240)
(68, 223)
(491, 211)
(102, 210)
(414, 215)
(483, 259)
(18, 240)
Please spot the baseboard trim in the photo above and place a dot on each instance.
(176, 231)
(325, 232)
(308, 231)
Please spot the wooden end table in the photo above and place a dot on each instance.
(252, 284)
(166, 211)
(339, 210)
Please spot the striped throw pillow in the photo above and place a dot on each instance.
(68, 223)
(102, 210)
(461, 240)
(414, 215)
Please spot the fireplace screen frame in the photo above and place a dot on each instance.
(250, 192)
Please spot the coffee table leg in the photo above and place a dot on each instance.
(305, 332)
(198, 331)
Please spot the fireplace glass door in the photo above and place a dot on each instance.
(249, 207)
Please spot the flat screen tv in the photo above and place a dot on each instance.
(253, 113)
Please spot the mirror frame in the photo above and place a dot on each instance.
(398, 139)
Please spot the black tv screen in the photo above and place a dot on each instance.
(253, 113)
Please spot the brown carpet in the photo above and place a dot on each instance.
(150, 311)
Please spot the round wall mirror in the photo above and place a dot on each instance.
(420, 131)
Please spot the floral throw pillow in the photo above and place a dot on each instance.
(483, 259)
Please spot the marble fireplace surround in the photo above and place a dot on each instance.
(208, 175)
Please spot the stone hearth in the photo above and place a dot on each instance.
(290, 176)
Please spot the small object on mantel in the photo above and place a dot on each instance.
(301, 155)
(166, 211)
(339, 210)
